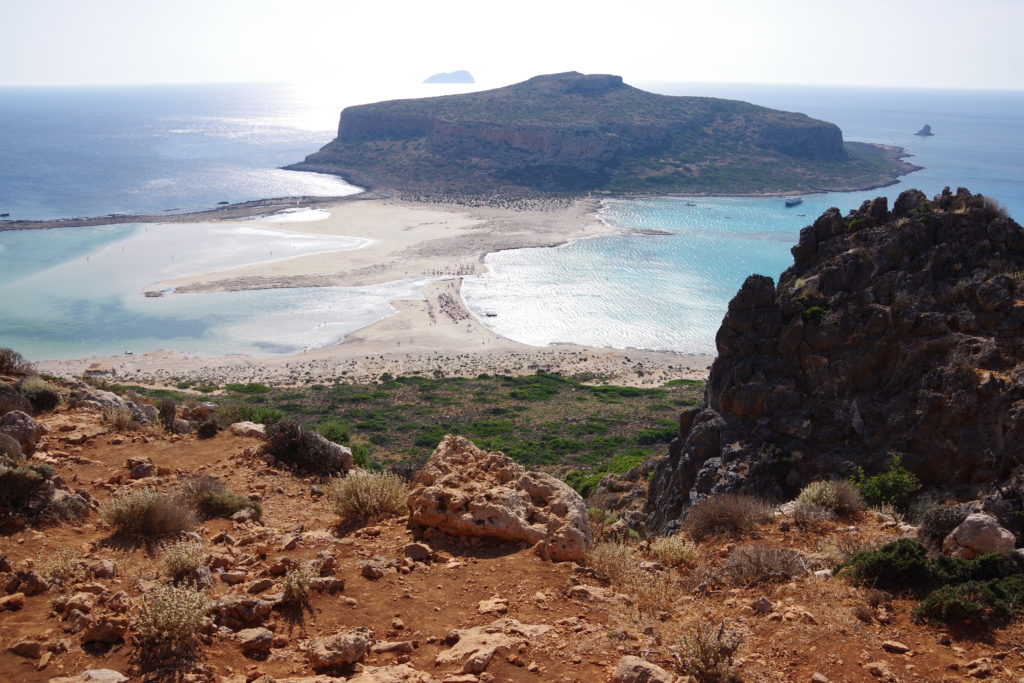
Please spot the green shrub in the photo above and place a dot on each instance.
(369, 496)
(903, 566)
(210, 498)
(897, 567)
(336, 432)
(41, 394)
(266, 416)
(13, 362)
(170, 618)
(303, 449)
(26, 490)
(896, 485)
(706, 653)
(815, 315)
(841, 497)
(978, 605)
(249, 388)
(148, 513)
(727, 513)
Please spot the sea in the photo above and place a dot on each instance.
(87, 151)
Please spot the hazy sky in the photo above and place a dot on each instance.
(921, 43)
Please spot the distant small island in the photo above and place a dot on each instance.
(925, 131)
(574, 133)
(460, 76)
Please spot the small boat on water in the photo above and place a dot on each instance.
(793, 201)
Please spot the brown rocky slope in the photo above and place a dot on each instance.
(895, 331)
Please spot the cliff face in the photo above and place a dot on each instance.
(582, 132)
(893, 332)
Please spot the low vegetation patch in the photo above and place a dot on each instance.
(369, 496)
(25, 491)
(706, 653)
(119, 418)
(759, 563)
(12, 362)
(303, 449)
(210, 498)
(296, 585)
(675, 551)
(147, 513)
(734, 514)
(895, 486)
(170, 618)
(840, 497)
(182, 557)
(982, 592)
(43, 395)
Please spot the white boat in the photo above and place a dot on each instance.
(793, 201)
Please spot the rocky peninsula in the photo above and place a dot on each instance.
(576, 133)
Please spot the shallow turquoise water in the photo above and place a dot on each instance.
(670, 292)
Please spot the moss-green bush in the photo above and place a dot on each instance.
(895, 486)
(982, 592)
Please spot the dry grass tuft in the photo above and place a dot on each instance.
(120, 418)
(182, 557)
(840, 497)
(148, 513)
(64, 566)
(170, 618)
(757, 563)
(675, 551)
(296, 585)
(734, 514)
(369, 496)
(706, 654)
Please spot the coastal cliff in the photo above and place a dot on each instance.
(894, 332)
(572, 132)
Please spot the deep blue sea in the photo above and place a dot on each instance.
(92, 151)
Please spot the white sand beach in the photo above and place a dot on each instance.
(433, 334)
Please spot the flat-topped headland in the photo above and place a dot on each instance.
(579, 133)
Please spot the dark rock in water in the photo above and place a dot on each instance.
(4, 215)
(460, 76)
(893, 332)
(222, 203)
(925, 131)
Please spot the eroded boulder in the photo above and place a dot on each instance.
(23, 429)
(474, 648)
(977, 535)
(464, 491)
(340, 650)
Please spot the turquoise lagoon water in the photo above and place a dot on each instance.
(670, 292)
(75, 292)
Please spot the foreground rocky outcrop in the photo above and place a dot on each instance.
(895, 331)
(464, 491)
(572, 132)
